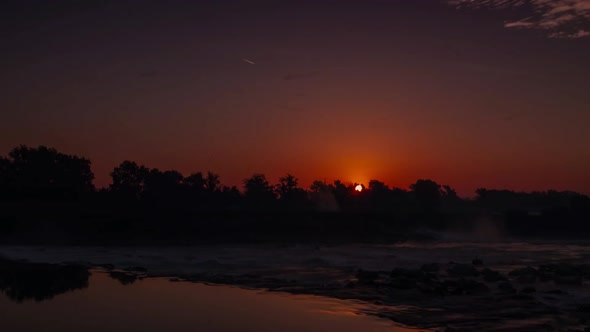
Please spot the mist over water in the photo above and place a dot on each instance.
(482, 229)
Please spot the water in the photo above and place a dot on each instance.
(558, 302)
(156, 304)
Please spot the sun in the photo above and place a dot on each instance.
(358, 188)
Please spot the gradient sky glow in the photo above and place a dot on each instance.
(354, 89)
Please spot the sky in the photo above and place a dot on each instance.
(489, 93)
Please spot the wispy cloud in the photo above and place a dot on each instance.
(578, 34)
(562, 18)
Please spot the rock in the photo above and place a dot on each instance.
(431, 268)
(568, 280)
(434, 287)
(524, 275)
(477, 262)
(523, 271)
(407, 279)
(491, 275)
(402, 282)
(448, 329)
(123, 277)
(473, 287)
(107, 266)
(528, 290)
(465, 287)
(463, 270)
(506, 287)
(452, 287)
(366, 277)
(564, 273)
(416, 274)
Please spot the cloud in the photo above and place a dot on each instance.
(519, 24)
(578, 34)
(561, 18)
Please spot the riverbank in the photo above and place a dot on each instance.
(465, 286)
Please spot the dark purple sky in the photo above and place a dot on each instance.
(469, 93)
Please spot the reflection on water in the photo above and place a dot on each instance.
(160, 305)
(27, 281)
(124, 278)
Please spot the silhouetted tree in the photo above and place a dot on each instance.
(322, 196)
(481, 194)
(400, 199)
(580, 205)
(289, 194)
(212, 182)
(287, 184)
(378, 186)
(258, 191)
(427, 194)
(449, 192)
(320, 186)
(4, 177)
(195, 182)
(342, 193)
(379, 196)
(230, 197)
(163, 186)
(129, 179)
(501, 200)
(45, 172)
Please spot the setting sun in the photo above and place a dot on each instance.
(358, 188)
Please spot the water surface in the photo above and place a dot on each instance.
(156, 304)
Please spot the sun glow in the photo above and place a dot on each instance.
(358, 188)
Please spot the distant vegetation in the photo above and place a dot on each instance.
(48, 197)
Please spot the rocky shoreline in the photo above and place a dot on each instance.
(442, 297)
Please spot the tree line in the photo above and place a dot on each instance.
(45, 173)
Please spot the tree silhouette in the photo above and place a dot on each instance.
(379, 196)
(200, 204)
(287, 185)
(230, 197)
(129, 179)
(427, 194)
(162, 186)
(378, 186)
(342, 193)
(4, 177)
(289, 194)
(212, 182)
(195, 182)
(450, 192)
(320, 186)
(44, 172)
(258, 191)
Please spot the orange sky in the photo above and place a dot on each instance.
(353, 90)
